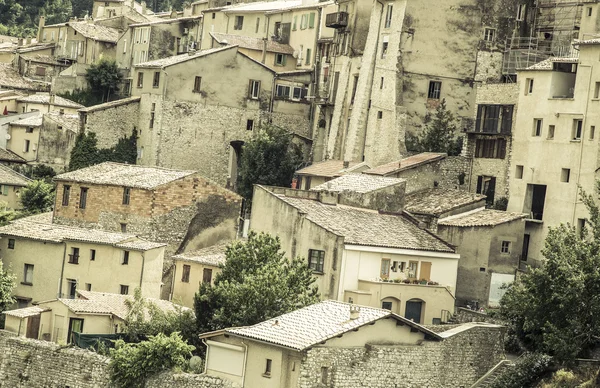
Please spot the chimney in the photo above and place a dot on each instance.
(143, 7)
(41, 28)
(354, 312)
(52, 98)
(346, 164)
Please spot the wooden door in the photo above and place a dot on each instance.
(33, 326)
(413, 310)
(425, 271)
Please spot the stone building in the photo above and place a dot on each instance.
(111, 121)
(321, 172)
(179, 208)
(361, 246)
(197, 110)
(490, 246)
(51, 260)
(56, 140)
(194, 268)
(90, 312)
(344, 345)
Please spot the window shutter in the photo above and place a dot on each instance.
(250, 89)
(479, 184)
(284, 59)
(501, 148)
(5, 189)
(311, 20)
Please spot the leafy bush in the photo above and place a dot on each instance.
(132, 364)
(528, 369)
(37, 197)
(86, 153)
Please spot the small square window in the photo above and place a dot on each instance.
(597, 90)
(11, 243)
(249, 125)
(185, 276)
(489, 34)
(537, 127)
(126, 195)
(123, 227)
(577, 129)
(268, 367)
(528, 86)
(481, 269)
(88, 286)
(316, 260)
(83, 197)
(505, 247)
(519, 172)
(379, 115)
(592, 132)
(197, 84)
(551, 132)
(386, 305)
(29, 130)
(435, 88)
(279, 59)
(124, 290)
(92, 254)
(565, 175)
(125, 260)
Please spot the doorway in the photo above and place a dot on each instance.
(413, 310)
(75, 326)
(33, 326)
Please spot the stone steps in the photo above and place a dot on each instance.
(487, 380)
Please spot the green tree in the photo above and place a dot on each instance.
(555, 309)
(269, 158)
(104, 77)
(132, 364)
(85, 152)
(7, 285)
(256, 283)
(439, 135)
(37, 197)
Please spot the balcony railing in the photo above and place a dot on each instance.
(337, 20)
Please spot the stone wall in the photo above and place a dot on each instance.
(454, 362)
(464, 315)
(30, 363)
(452, 168)
(111, 121)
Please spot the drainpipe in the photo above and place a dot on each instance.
(273, 93)
(582, 140)
(142, 271)
(172, 291)
(62, 270)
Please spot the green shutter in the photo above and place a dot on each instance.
(284, 59)
(311, 20)
(4, 189)
(295, 20)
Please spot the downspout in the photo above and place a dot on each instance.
(582, 140)
(172, 291)
(62, 270)
(272, 94)
(266, 38)
(142, 271)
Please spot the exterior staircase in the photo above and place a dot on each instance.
(487, 380)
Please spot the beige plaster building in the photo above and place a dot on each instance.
(11, 183)
(85, 42)
(90, 313)
(46, 103)
(490, 246)
(194, 268)
(53, 260)
(334, 343)
(321, 172)
(361, 246)
(22, 137)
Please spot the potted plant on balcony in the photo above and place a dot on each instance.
(432, 283)
(423, 281)
(406, 281)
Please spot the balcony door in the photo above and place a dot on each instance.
(413, 310)
(425, 270)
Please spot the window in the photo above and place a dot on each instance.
(254, 89)
(239, 23)
(83, 197)
(282, 91)
(4, 189)
(316, 260)
(206, 275)
(279, 59)
(386, 305)
(125, 260)
(385, 269)
(354, 86)
(597, 90)
(435, 88)
(268, 367)
(185, 276)
(592, 132)
(151, 123)
(249, 125)
(26, 146)
(505, 248)
(126, 195)
(481, 269)
(11, 243)
(88, 286)
(324, 374)
(71, 288)
(486, 185)
(381, 86)
(589, 11)
(29, 130)
(379, 115)
(156, 80)
(197, 84)
(308, 55)
(140, 80)
(528, 86)
(537, 127)
(577, 129)
(551, 131)
(92, 255)
(535, 201)
(388, 16)
(213, 15)
(123, 228)
(303, 22)
(311, 20)
(257, 25)
(565, 175)
(519, 172)
(521, 12)
(490, 148)
(28, 274)
(384, 46)
(66, 194)
(124, 290)
(74, 256)
(295, 23)
(489, 34)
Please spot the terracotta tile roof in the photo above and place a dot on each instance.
(112, 104)
(252, 43)
(26, 312)
(262, 6)
(83, 306)
(314, 324)
(548, 64)
(437, 201)
(358, 183)
(115, 303)
(40, 58)
(213, 255)
(174, 60)
(406, 163)
(130, 175)
(368, 227)
(96, 32)
(35, 230)
(10, 177)
(9, 156)
(481, 217)
(34, 121)
(45, 99)
(11, 79)
(326, 168)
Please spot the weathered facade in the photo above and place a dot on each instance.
(111, 121)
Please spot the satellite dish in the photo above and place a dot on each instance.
(7, 136)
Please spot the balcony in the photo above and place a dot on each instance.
(337, 20)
